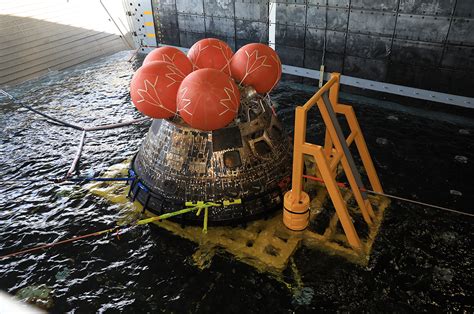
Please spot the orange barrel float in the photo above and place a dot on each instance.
(296, 218)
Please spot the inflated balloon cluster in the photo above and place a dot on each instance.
(201, 87)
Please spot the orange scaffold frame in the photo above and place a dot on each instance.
(327, 158)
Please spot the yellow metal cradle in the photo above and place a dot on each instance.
(327, 158)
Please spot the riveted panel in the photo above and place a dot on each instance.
(313, 59)
(365, 68)
(188, 39)
(334, 40)
(290, 1)
(419, 76)
(332, 61)
(166, 18)
(191, 23)
(291, 14)
(372, 22)
(367, 46)
(413, 52)
(424, 28)
(252, 31)
(464, 8)
(164, 5)
(221, 8)
(253, 11)
(462, 31)
(190, 6)
(290, 55)
(336, 18)
(169, 34)
(220, 26)
(289, 35)
(382, 5)
(331, 3)
(166, 21)
(315, 39)
(458, 57)
(429, 7)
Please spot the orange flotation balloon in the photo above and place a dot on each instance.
(154, 88)
(208, 99)
(172, 55)
(256, 65)
(211, 53)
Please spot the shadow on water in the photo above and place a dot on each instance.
(421, 260)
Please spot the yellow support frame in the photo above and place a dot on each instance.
(327, 158)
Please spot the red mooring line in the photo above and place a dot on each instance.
(45, 246)
(344, 185)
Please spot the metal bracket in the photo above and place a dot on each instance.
(394, 89)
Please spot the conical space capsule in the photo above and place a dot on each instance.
(246, 165)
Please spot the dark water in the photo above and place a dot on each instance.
(422, 259)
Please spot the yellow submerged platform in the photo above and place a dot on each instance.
(266, 245)
(348, 229)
